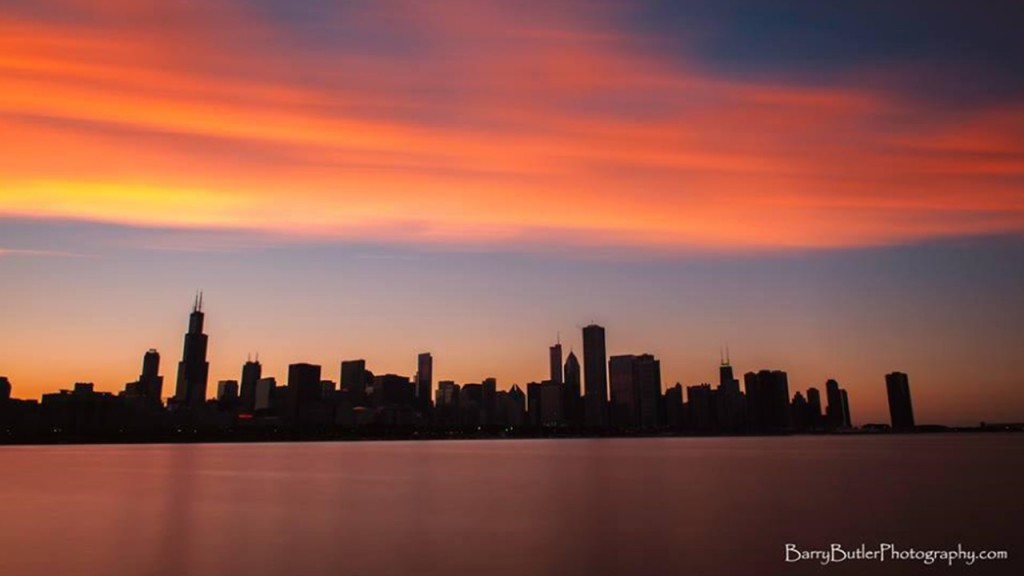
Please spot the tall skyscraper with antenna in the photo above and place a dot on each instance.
(727, 382)
(555, 362)
(193, 370)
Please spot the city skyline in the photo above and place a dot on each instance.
(566, 287)
(613, 391)
(622, 394)
(475, 177)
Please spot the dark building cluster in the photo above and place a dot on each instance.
(621, 394)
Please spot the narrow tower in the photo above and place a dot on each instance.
(595, 377)
(193, 370)
(555, 362)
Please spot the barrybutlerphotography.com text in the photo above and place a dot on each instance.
(889, 552)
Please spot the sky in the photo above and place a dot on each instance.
(835, 189)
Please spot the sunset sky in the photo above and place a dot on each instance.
(835, 189)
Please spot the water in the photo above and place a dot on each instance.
(559, 507)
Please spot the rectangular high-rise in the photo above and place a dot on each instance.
(623, 405)
(354, 381)
(837, 413)
(901, 409)
(265, 389)
(151, 383)
(251, 374)
(595, 377)
(303, 387)
(767, 393)
(555, 363)
(424, 381)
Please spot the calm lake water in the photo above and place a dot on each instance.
(559, 507)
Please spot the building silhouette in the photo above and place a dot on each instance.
(700, 408)
(595, 377)
(635, 391)
(814, 419)
(516, 406)
(470, 405)
(551, 410)
(847, 423)
(227, 395)
(729, 402)
(767, 393)
(151, 383)
(571, 388)
(488, 400)
(620, 394)
(446, 404)
(266, 389)
(837, 413)
(901, 409)
(424, 381)
(727, 382)
(355, 380)
(303, 388)
(252, 371)
(673, 406)
(194, 369)
(555, 363)
(799, 413)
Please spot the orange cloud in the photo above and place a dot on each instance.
(496, 126)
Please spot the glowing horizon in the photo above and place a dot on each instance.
(473, 176)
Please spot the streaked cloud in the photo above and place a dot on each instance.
(471, 123)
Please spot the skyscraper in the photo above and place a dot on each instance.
(303, 387)
(488, 399)
(424, 381)
(193, 370)
(901, 409)
(595, 377)
(555, 362)
(727, 382)
(767, 400)
(700, 407)
(151, 383)
(847, 423)
(227, 392)
(729, 401)
(814, 408)
(252, 371)
(624, 397)
(354, 380)
(265, 390)
(649, 379)
(836, 413)
(635, 391)
(571, 390)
